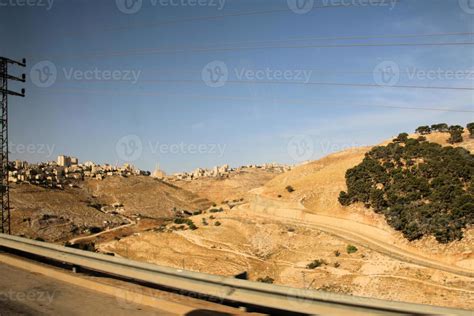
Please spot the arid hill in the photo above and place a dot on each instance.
(59, 215)
(317, 186)
(227, 189)
(145, 196)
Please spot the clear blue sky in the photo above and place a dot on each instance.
(252, 122)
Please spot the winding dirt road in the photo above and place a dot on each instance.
(368, 236)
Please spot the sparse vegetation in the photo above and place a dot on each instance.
(455, 134)
(423, 130)
(421, 188)
(266, 279)
(217, 223)
(187, 221)
(470, 128)
(337, 253)
(216, 210)
(337, 265)
(316, 264)
(351, 249)
(441, 127)
(290, 189)
(94, 230)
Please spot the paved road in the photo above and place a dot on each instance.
(26, 293)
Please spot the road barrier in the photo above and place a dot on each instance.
(224, 288)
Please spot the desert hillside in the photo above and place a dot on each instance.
(317, 186)
(145, 195)
(235, 187)
(59, 215)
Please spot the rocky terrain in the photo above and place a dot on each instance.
(278, 226)
(92, 206)
(293, 231)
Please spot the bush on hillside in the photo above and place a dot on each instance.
(441, 127)
(423, 130)
(470, 128)
(351, 249)
(421, 188)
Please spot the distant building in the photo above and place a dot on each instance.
(66, 161)
(158, 173)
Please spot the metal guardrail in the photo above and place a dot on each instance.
(225, 288)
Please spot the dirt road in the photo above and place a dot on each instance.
(369, 236)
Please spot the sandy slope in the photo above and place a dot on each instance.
(318, 184)
(233, 188)
(59, 215)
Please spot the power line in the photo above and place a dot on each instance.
(274, 82)
(153, 51)
(283, 101)
(222, 16)
(355, 37)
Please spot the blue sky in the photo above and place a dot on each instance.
(167, 114)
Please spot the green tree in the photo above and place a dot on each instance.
(423, 130)
(470, 128)
(421, 188)
(401, 138)
(441, 127)
(456, 136)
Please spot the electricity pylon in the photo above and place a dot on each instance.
(4, 165)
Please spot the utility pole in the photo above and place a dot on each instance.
(4, 165)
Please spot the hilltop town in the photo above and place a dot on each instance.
(57, 174)
(66, 170)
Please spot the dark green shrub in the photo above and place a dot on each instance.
(216, 210)
(316, 264)
(266, 279)
(423, 130)
(351, 249)
(421, 188)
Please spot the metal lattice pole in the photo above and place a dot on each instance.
(4, 162)
(5, 192)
